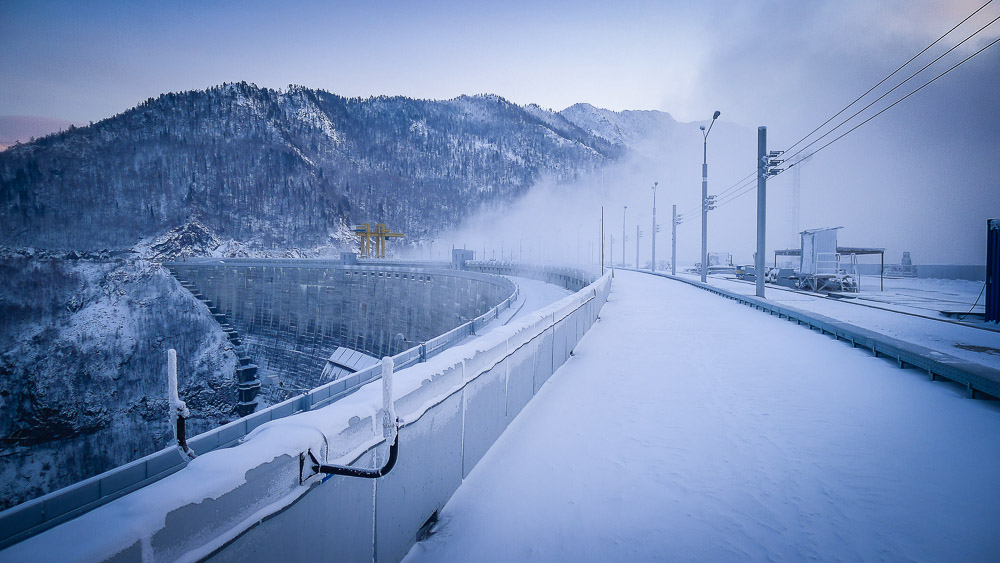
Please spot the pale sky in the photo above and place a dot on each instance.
(785, 64)
(85, 61)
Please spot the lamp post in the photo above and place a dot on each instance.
(653, 266)
(623, 235)
(704, 197)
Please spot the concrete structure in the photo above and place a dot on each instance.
(460, 256)
(291, 315)
(452, 408)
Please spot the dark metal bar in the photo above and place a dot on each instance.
(356, 472)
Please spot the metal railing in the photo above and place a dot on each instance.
(39, 514)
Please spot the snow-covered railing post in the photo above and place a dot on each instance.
(388, 409)
(178, 410)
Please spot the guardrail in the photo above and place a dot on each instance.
(977, 378)
(39, 514)
(451, 410)
(571, 278)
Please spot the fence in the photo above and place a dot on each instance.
(453, 406)
(38, 514)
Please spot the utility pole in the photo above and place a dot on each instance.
(704, 198)
(655, 228)
(637, 246)
(766, 162)
(673, 244)
(624, 238)
(602, 240)
(611, 253)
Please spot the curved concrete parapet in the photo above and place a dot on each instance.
(480, 293)
(260, 500)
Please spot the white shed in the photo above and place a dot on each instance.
(819, 251)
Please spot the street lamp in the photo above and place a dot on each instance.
(704, 197)
(623, 235)
(653, 267)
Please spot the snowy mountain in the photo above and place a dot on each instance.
(626, 128)
(289, 169)
(234, 170)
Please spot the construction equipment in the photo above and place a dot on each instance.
(373, 243)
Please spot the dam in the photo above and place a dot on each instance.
(291, 315)
(293, 290)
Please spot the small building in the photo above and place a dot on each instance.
(819, 251)
(459, 256)
(822, 265)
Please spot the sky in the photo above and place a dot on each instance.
(787, 65)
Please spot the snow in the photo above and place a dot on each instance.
(388, 407)
(688, 427)
(914, 296)
(177, 407)
(535, 294)
(138, 516)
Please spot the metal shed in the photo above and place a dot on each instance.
(820, 258)
(819, 251)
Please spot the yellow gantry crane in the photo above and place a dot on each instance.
(373, 242)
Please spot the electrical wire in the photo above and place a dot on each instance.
(962, 318)
(723, 193)
(739, 184)
(743, 187)
(893, 73)
(894, 88)
(928, 83)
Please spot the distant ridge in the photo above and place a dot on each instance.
(291, 168)
(24, 128)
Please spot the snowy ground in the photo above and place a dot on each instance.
(535, 294)
(914, 296)
(688, 427)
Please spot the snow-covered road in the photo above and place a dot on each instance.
(688, 427)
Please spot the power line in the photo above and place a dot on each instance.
(928, 83)
(893, 89)
(750, 186)
(735, 186)
(743, 187)
(893, 73)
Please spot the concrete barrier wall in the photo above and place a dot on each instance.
(260, 501)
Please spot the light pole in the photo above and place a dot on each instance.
(623, 235)
(653, 267)
(673, 243)
(704, 197)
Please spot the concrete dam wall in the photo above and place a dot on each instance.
(292, 316)
(264, 498)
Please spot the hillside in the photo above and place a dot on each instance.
(87, 313)
(284, 169)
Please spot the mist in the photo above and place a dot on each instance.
(922, 178)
